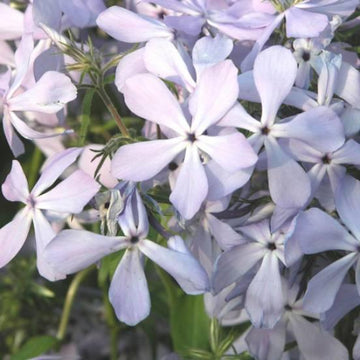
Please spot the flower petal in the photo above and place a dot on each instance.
(289, 184)
(125, 25)
(314, 342)
(15, 186)
(159, 152)
(264, 298)
(49, 95)
(324, 286)
(232, 152)
(147, 96)
(129, 293)
(13, 236)
(191, 185)
(274, 75)
(73, 250)
(71, 195)
(215, 93)
(179, 263)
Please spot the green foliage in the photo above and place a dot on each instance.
(34, 347)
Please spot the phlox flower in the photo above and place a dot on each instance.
(69, 196)
(48, 95)
(274, 74)
(214, 95)
(317, 231)
(73, 250)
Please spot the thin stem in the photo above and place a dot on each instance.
(34, 167)
(112, 109)
(70, 296)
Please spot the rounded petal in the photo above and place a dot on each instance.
(274, 75)
(158, 152)
(129, 293)
(15, 186)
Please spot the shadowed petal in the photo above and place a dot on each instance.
(191, 185)
(314, 342)
(49, 95)
(289, 184)
(316, 231)
(15, 186)
(74, 250)
(264, 298)
(13, 236)
(129, 293)
(179, 263)
(348, 205)
(323, 287)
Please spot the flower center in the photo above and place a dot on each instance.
(134, 240)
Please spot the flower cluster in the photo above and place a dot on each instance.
(240, 153)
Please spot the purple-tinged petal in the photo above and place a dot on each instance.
(264, 298)
(49, 95)
(12, 22)
(191, 185)
(13, 235)
(304, 24)
(15, 144)
(129, 293)
(235, 263)
(159, 153)
(189, 24)
(208, 51)
(147, 96)
(125, 25)
(259, 231)
(55, 166)
(346, 300)
(71, 195)
(44, 233)
(317, 231)
(179, 263)
(48, 13)
(237, 116)
(314, 342)
(163, 60)
(347, 204)
(348, 84)
(347, 154)
(22, 60)
(73, 250)
(248, 62)
(216, 92)
(223, 183)
(267, 344)
(324, 286)
(15, 186)
(289, 184)
(274, 75)
(319, 127)
(232, 152)
(223, 233)
(133, 220)
(130, 65)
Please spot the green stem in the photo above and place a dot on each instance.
(70, 296)
(111, 321)
(34, 167)
(112, 109)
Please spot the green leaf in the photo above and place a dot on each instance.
(35, 347)
(189, 323)
(109, 265)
